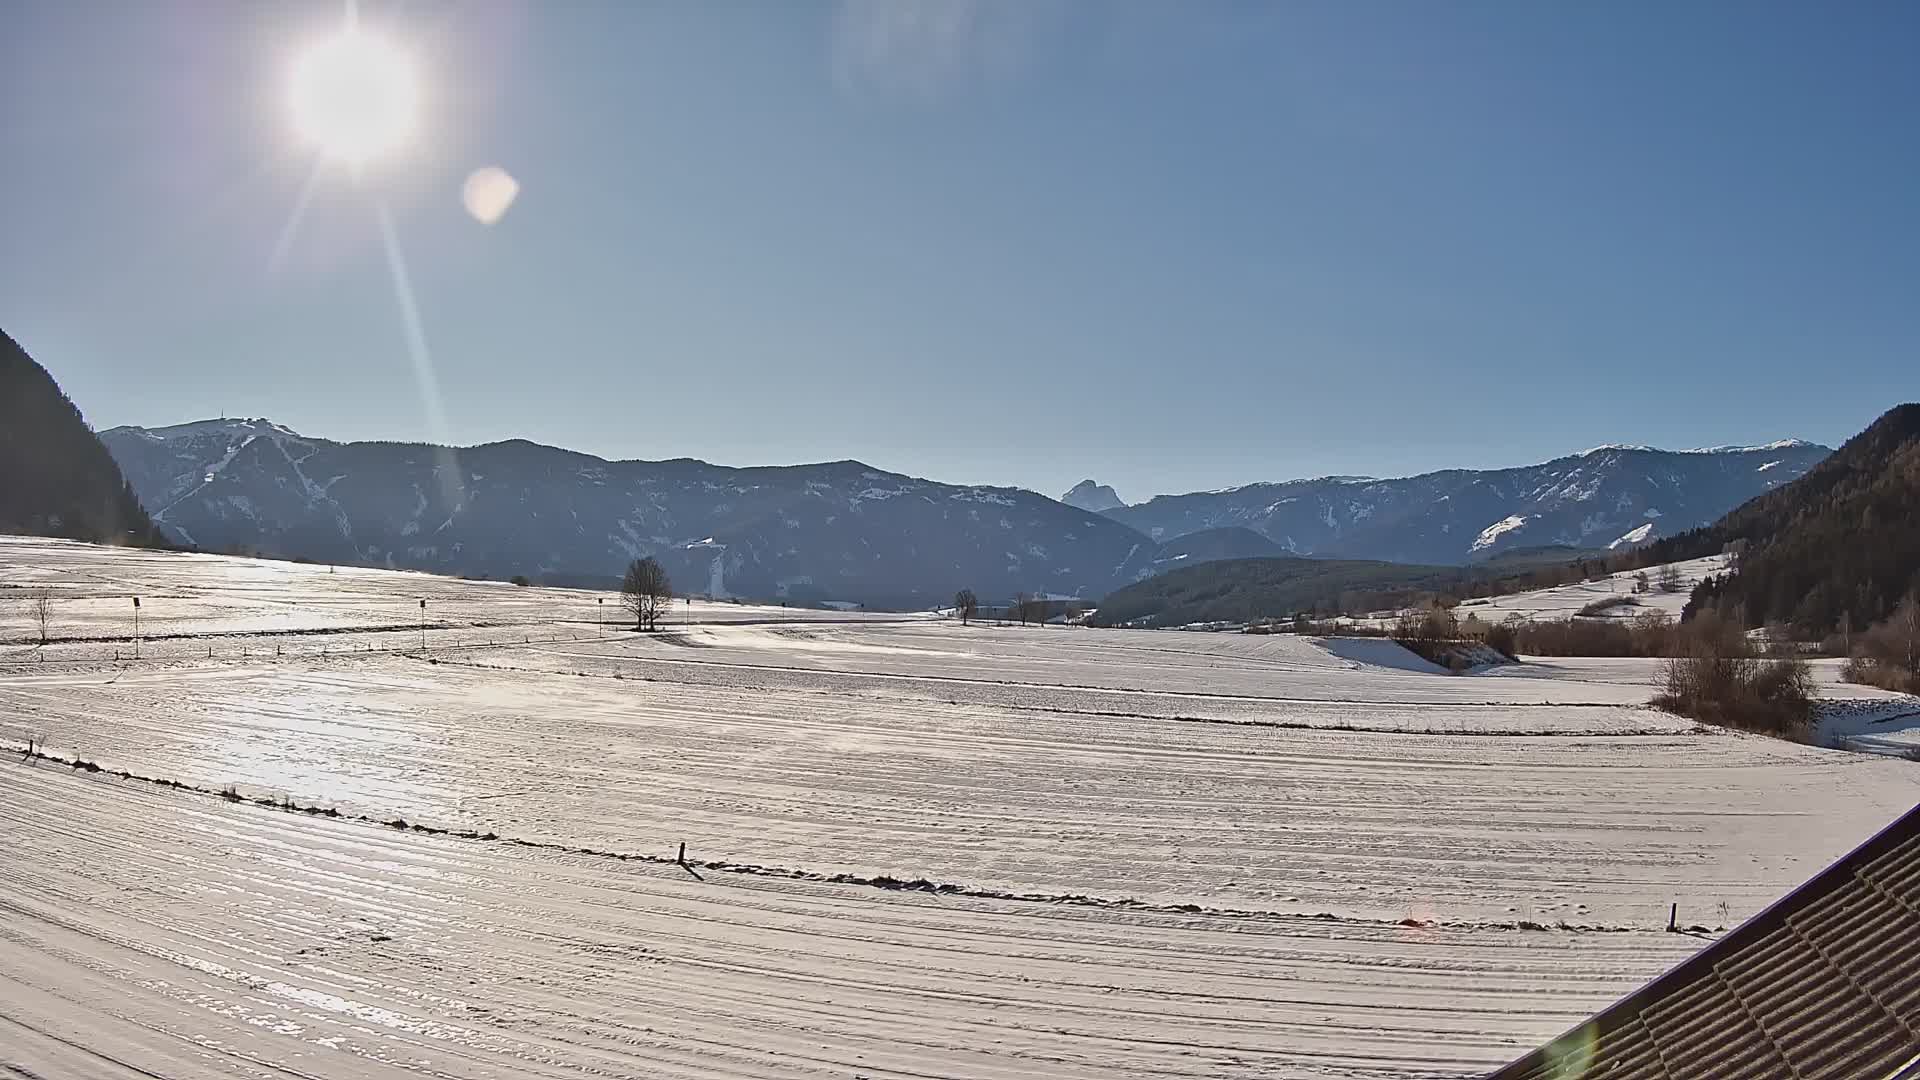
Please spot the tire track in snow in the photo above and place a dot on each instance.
(1481, 829)
(884, 881)
(269, 939)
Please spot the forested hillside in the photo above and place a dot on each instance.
(1241, 590)
(55, 477)
(1833, 551)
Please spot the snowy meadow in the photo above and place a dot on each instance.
(356, 836)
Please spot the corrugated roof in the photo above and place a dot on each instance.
(1823, 984)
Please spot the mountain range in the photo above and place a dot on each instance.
(840, 531)
(1830, 553)
(848, 532)
(1608, 497)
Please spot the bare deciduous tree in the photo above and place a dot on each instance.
(965, 605)
(645, 591)
(1896, 642)
(41, 609)
(1668, 578)
(1034, 608)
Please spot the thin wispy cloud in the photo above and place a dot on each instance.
(927, 49)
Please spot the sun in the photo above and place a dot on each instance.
(354, 96)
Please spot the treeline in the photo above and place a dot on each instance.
(1714, 672)
(1250, 590)
(1257, 590)
(1651, 634)
(56, 479)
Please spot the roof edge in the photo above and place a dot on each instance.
(1769, 918)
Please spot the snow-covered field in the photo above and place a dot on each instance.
(1127, 854)
(1566, 601)
(190, 603)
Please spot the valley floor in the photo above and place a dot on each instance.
(1127, 854)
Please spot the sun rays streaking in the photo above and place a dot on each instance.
(353, 98)
(284, 241)
(451, 484)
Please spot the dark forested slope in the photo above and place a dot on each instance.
(56, 479)
(1835, 549)
(1242, 590)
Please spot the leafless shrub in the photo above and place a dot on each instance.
(1887, 655)
(1896, 641)
(1504, 639)
(1870, 672)
(1606, 604)
(1716, 679)
(1649, 633)
(1667, 578)
(1436, 623)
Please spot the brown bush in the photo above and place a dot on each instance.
(1605, 604)
(1887, 655)
(1434, 624)
(1870, 672)
(1503, 639)
(1716, 679)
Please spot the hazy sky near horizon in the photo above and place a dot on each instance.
(1167, 245)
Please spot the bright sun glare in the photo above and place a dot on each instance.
(354, 96)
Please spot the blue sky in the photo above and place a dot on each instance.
(1167, 245)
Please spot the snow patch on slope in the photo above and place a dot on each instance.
(1492, 533)
(1637, 535)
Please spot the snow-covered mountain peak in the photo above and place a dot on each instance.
(1777, 444)
(1604, 447)
(235, 426)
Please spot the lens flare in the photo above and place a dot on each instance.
(488, 193)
